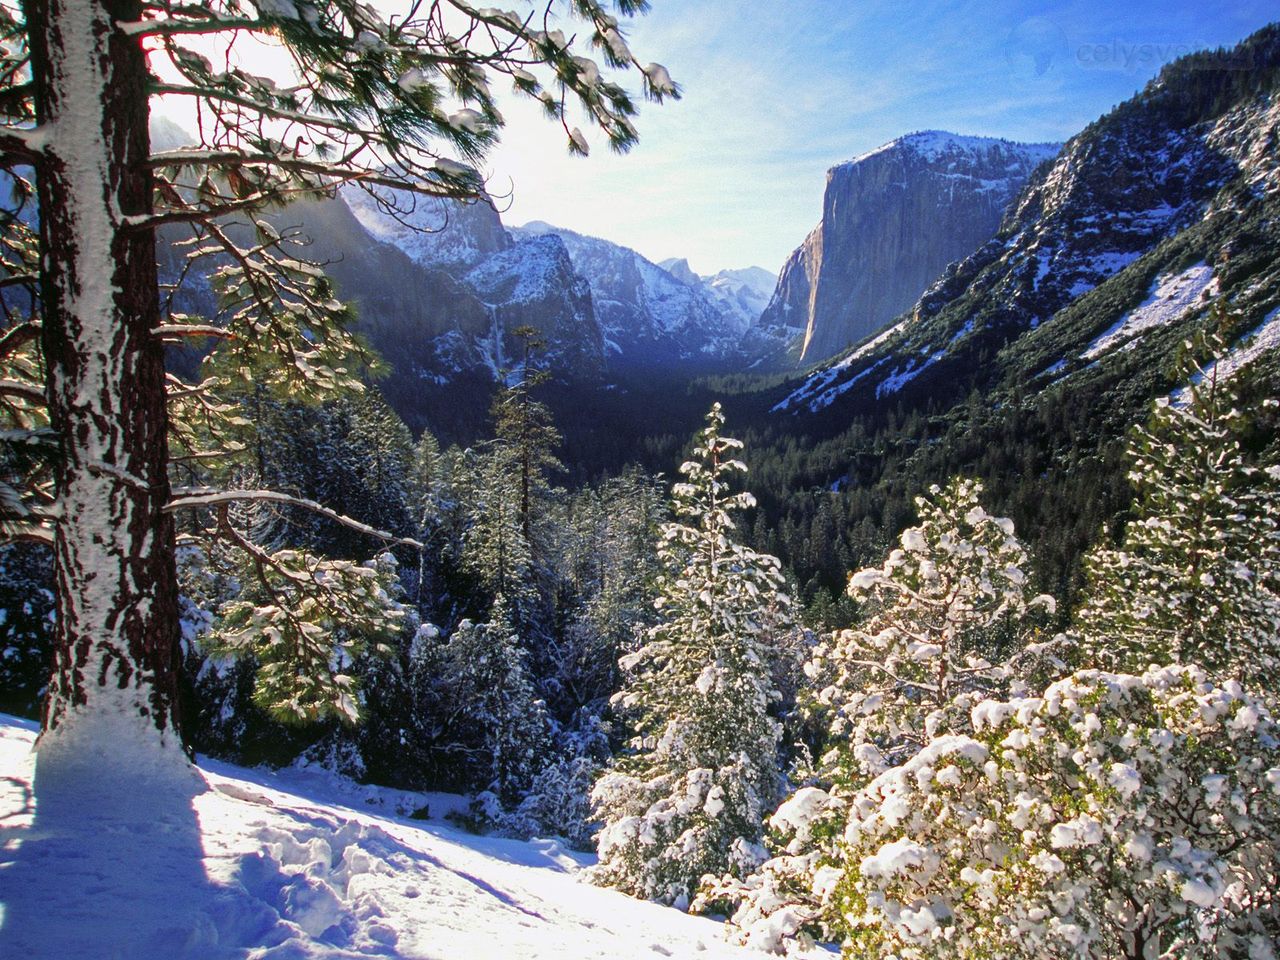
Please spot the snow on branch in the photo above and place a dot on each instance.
(194, 497)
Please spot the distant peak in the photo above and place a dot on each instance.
(932, 144)
(679, 268)
(539, 226)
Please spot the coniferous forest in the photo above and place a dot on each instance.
(961, 641)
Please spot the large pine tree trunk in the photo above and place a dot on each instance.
(117, 624)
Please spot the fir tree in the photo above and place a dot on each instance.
(525, 426)
(947, 621)
(494, 712)
(1196, 576)
(689, 796)
(495, 550)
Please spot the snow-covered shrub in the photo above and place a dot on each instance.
(1113, 816)
(1196, 578)
(690, 795)
(950, 617)
(557, 804)
(785, 903)
(949, 620)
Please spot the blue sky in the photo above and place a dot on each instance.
(777, 92)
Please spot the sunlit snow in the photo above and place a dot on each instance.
(297, 864)
(1172, 297)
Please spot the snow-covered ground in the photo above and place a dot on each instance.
(293, 865)
(1171, 297)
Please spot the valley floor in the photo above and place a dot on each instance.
(297, 864)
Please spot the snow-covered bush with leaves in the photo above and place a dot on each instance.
(1196, 578)
(1113, 816)
(785, 903)
(556, 804)
(950, 617)
(690, 794)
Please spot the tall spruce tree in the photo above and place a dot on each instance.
(525, 425)
(1196, 576)
(688, 797)
(400, 106)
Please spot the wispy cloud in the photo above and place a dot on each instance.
(777, 93)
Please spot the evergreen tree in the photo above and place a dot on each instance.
(306, 629)
(525, 426)
(947, 621)
(494, 547)
(1196, 576)
(495, 716)
(689, 796)
(387, 104)
(947, 618)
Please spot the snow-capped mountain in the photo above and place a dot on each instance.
(435, 320)
(533, 283)
(593, 302)
(1109, 257)
(892, 220)
(741, 294)
(432, 231)
(647, 315)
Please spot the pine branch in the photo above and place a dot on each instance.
(27, 391)
(194, 497)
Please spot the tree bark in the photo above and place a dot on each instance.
(116, 637)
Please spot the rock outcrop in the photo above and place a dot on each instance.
(892, 220)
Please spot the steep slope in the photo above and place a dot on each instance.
(490, 283)
(647, 316)
(892, 220)
(533, 283)
(429, 230)
(1109, 256)
(1026, 363)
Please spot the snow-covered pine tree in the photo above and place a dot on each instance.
(495, 549)
(306, 647)
(948, 620)
(495, 716)
(401, 103)
(949, 617)
(525, 426)
(689, 796)
(1196, 576)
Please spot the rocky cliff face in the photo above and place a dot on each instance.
(647, 316)
(1109, 258)
(441, 288)
(431, 231)
(892, 220)
(532, 283)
